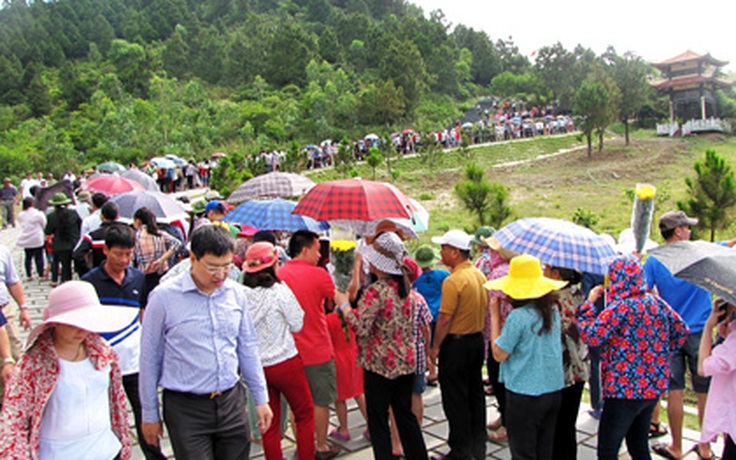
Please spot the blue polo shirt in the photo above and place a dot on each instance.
(429, 285)
(692, 303)
(126, 342)
(3, 320)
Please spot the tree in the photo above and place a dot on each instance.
(630, 74)
(431, 152)
(374, 159)
(712, 193)
(591, 103)
(553, 67)
(475, 192)
(614, 101)
(131, 63)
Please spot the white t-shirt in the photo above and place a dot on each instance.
(76, 420)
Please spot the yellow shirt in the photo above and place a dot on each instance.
(465, 299)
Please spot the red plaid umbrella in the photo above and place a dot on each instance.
(111, 184)
(354, 199)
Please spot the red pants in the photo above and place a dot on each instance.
(289, 378)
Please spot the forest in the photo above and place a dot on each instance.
(87, 81)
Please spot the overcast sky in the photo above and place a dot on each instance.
(653, 29)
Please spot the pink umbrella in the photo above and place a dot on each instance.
(111, 184)
(219, 155)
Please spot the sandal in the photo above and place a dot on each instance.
(432, 382)
(496, 424)
(660, 448)
(696, 449)
(499, 436)
(657, 430)
(335, 434)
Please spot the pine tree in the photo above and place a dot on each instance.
(712, 193)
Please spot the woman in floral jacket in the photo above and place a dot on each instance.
(384, 326)
(65, 399)
(637, 332)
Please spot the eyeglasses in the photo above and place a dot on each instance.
(216, 270)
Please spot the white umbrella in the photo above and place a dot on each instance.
(164, 163)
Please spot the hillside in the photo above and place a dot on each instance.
(558, 185)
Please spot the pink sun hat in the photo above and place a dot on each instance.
(75, 303)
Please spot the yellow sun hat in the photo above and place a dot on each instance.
(525, 280)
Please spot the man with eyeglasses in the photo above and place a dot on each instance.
(119, 283)
(197, 340)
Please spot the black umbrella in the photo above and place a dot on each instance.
(44, 194)
(707, 265)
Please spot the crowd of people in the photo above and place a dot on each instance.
(219, 332)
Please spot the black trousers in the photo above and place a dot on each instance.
(499, 389)
(149, 283)
(201, 428)
(463, 398)
(380, 393)
(729, 448)
(530, 421)
(130, 383)
(34, 255)
(627, 419)
(566, 441)
(63, 258)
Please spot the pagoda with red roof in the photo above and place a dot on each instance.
(690, 80)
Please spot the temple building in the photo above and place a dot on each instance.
(690, 80)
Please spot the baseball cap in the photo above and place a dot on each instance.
(212, 205)
(455, 238)
(673, 219)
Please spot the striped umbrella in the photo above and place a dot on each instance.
(272, 185)
(558, 243)
(273, 215)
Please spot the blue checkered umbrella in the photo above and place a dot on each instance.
(558, 243)
(273, 215)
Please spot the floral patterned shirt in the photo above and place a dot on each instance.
(575, 358)
(384, 328)
(276, 314)
(422, 319)
(485, 262)
(31, 385)
(637, 332)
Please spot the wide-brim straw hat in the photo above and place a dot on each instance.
(75, 303)
(493, 243)
(386, 253)
(59, 199)
(525, 280)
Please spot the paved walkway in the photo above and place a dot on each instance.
(434, 424)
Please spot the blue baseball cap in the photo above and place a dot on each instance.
(212, 205)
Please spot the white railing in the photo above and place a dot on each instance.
(707, 125)
(694, 126)
(667, 129)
